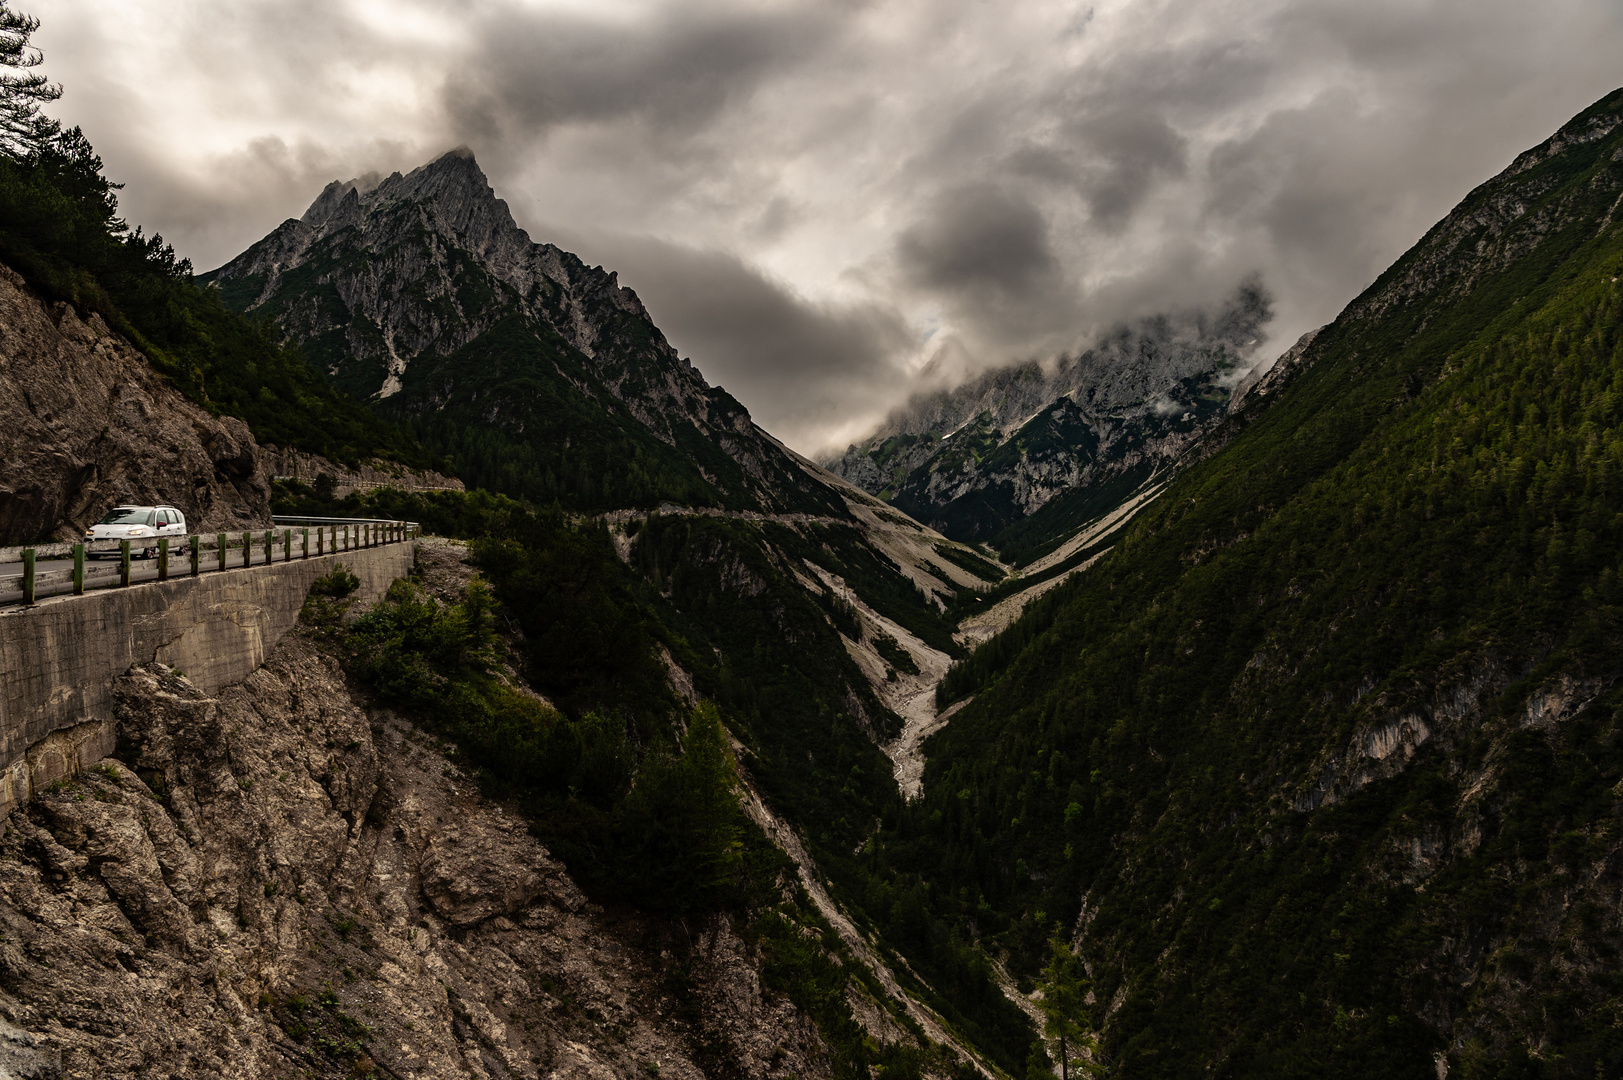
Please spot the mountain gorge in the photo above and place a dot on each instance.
(1320, 763)
(1298, 742)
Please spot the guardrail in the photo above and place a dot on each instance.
(198, 554)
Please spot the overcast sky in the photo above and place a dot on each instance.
(827, 204)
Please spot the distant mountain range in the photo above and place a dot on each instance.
(1021, 457)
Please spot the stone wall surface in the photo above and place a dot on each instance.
(60, 659)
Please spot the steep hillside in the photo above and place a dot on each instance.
(88, 423)
(1022, 457)
(1321, 765)
(286, 880)
(711, 557)
(535, 374)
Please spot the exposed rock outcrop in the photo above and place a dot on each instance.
(1261, 381)
(86, 423)
(309, 468)
(272, 883)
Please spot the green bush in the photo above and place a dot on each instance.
(338, 582)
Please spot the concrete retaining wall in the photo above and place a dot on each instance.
(60, 658)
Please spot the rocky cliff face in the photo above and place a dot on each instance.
(291, 464)
(284, 881)
(978, 459)
(421, 293)
(88, 424)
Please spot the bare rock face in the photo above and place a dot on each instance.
(308, 468)
(1263, 380)
(85, 424)
(273, 883)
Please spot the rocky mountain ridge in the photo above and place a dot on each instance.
(420, 292)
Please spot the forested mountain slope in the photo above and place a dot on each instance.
(1321, 764)
(1023, 456)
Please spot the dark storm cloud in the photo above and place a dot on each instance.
(1129, 150)
(842, 192)
(671, 72)
(803, 365)
(986, 249)
(978, 237)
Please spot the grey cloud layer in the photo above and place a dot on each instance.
(828, 205)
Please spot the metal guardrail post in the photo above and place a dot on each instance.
(123, 563)
(163, 558)
(197, 548)
(247, 549)
(307, 542)
(78, 569)
(219, 550)
(28, 575)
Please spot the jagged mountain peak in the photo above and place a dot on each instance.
(453, 191)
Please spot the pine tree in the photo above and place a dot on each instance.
(1065, 1015)
(22, 91)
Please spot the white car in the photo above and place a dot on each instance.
(140, 525)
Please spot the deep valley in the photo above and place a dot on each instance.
(1159, 710)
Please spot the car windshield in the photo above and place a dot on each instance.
(127, 515)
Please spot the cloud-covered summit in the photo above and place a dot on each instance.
(831, 206)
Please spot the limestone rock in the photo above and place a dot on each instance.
(88, 424)
(271, 882)
(307, 468)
